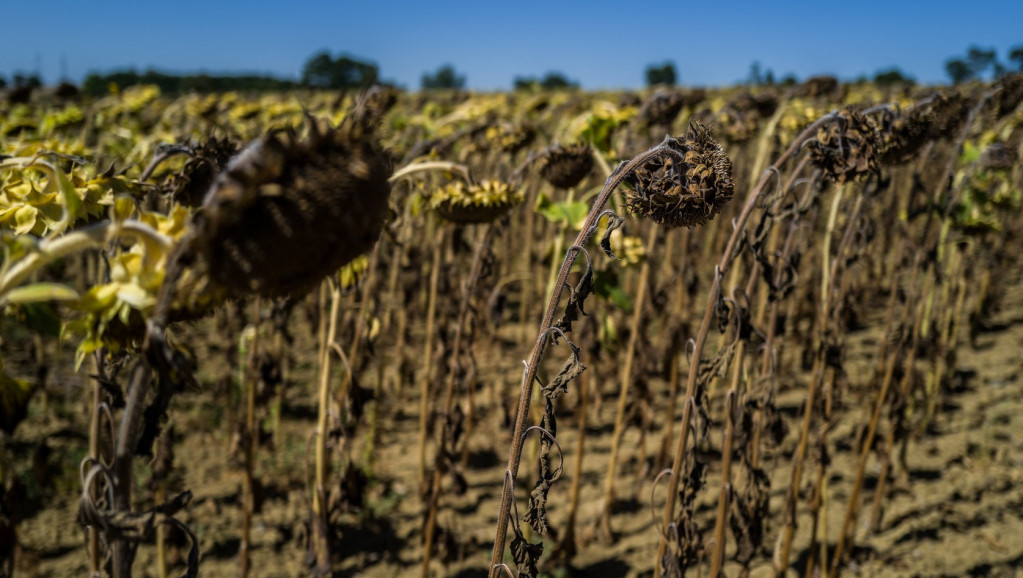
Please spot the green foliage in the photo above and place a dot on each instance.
(444, 78)
(892, 76)
(1016, 55)
(97, 84)
(343, 72)
(663, 74)
(975, 65)
(550, 81)
(568, 213)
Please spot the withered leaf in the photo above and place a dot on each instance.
(614, 222)
(572, 369)
(536, 514)
(526, 556)
(579, 293)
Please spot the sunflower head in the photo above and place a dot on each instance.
(566, 166)
(683, 192)
(289, 210)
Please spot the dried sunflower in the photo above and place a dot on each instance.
(482, 203)
(661, 108)
(683, 193)
(189, 186)
(287, 211)
(845, 147)
(565, 166)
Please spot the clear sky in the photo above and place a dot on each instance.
(599, 44)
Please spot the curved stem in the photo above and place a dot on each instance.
(708, 317)
(588, 229)
(461, 170)
(92, 237)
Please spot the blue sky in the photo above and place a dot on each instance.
(600, 44)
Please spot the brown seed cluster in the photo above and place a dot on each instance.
(566, 166)
(740, 117)
(189, 187)
(661, 108)
(287, 211)
(845, 147)
(683, 192)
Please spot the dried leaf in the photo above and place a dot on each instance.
(574, 309)
(526, 556)
(614, 222)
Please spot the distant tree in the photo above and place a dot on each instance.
(789, 80)
(322, 71)
(769, 77)
(958, 70)
(3, 82)
(26, 80)
(979, 60)
(663, 74)
(557, 81)
(526, 83)
(756, 78)
(1016, 55)
(445, 77)
(892, 76)
(550, 81)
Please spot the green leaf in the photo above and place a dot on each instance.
(605, 285)
(566, 213)
(42, 292)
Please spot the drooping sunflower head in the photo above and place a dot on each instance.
(289, 210)
(480, 203)
(683, 192)
(566, 166)
(189, 187)
(845, 147)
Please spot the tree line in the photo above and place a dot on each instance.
(343, 72)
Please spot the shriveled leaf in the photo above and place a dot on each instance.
(526, 556)
(613, 222)
(536, 514)
(572, 369)
(574, 309)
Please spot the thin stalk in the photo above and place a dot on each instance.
(588, 229)
(449, 394)
(626, 386)
(425, 378)
(739, 225)
(321, 544)
(248, 497)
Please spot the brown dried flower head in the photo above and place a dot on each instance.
(819, 86)
(1009, 95)
(686, 192)
(661, 107)
(740, 117)
(189, 187)
(565, 166)
(944, 113)
(287, 211)
(899, 134)
(999, 156)
(844, 148)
